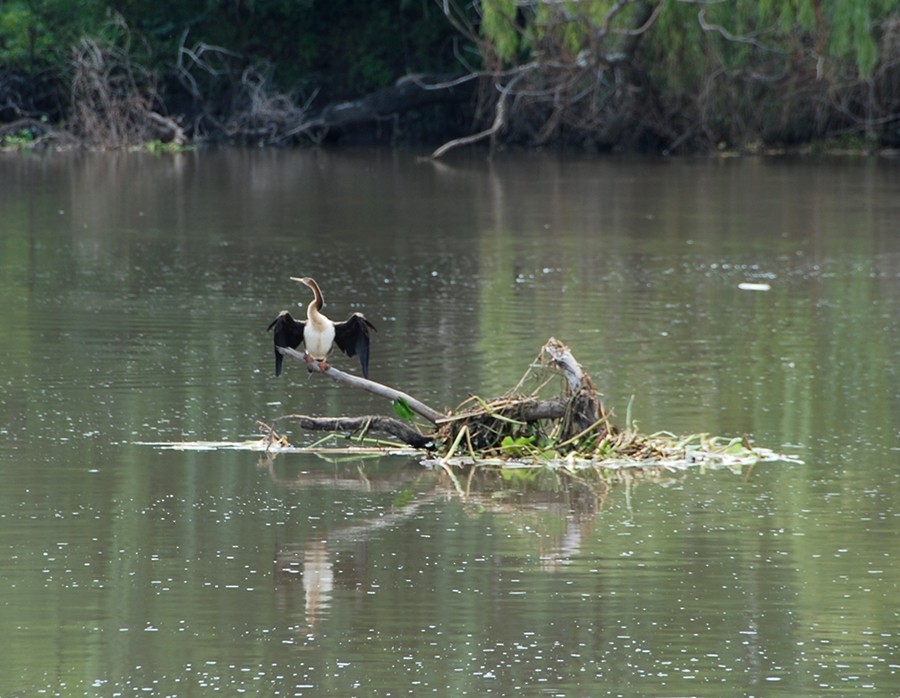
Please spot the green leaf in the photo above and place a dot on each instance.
(403, 410)
(516, 446)
(736, 447)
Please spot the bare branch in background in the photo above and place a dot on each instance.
(499, 118)
(590, 91)
(251, 109)
(706, 26)
(114, 100)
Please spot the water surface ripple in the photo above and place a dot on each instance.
(136, 290)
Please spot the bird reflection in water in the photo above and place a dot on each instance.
(313, 568)
(339, 560)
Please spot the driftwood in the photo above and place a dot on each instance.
(585, 409)
(524, 428)
(362, 425)
(527, 410)
(577, 411)
(517, 422)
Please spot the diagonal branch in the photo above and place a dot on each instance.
(378, 389)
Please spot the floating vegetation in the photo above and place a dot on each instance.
(552, 419)
(631, 450)
(272, 443)
(158, 147)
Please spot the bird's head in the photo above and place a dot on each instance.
(313, 286)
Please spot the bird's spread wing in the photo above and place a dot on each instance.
(288, 332)
(352, 338)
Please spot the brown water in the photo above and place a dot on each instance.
(134, 295)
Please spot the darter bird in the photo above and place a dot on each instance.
(320, 334)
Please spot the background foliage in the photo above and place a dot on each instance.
(701, 74)
(651, 74)
(355, 45)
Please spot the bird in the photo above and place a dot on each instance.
(320, 334)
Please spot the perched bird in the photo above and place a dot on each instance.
(320, 334)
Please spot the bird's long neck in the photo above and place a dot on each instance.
(318, 299)
(314, 309)
(313, 314)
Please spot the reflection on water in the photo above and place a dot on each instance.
(314, 567)
(338, 557)
(136, 291)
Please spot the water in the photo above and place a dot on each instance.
(135, 293)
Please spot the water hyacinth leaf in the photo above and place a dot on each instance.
(736, 448)
(516, 445)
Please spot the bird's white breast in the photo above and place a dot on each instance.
(318, 340)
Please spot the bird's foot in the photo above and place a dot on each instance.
(310, 361)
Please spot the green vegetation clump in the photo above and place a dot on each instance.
(20, 139)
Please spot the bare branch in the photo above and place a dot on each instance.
(378, 389)
(499, 116)
(701, 18)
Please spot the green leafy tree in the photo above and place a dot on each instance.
(664, 73)
(36, 33)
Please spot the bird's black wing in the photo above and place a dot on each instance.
(352, 338)
(288, 332)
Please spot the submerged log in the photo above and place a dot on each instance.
(363, 425)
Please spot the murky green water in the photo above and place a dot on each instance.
(134, 295)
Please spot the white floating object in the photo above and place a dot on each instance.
(747, 286)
